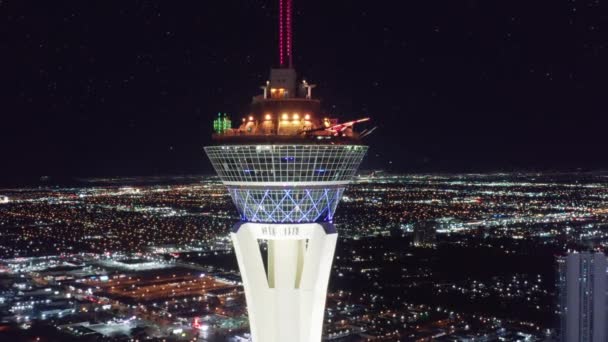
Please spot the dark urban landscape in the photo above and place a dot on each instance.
(442, 256)
(304, 171)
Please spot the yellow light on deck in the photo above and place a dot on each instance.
(296, 116)
(243, 119)
(307, 117)
(285, 116)
(268, 117)
(251, 118)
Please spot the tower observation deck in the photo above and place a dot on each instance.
(286, 167)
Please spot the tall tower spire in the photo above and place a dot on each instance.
(286, 169)
(285, 33)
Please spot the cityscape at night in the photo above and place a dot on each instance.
(304, 171)
(150, 257)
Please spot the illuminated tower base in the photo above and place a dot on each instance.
(286, 302)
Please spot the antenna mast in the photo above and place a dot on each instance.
(285, 33)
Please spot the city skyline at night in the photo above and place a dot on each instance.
(163, 244)
(303, 171)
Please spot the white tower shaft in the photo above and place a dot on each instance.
(286, 302)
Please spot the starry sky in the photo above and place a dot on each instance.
(102, 88)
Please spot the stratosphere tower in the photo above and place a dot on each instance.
(286, 167)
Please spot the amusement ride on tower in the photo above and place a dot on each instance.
(286, 167)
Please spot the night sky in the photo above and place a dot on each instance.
(102, 88)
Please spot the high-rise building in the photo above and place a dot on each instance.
(286, 167)
(425, 234)
(582, 297)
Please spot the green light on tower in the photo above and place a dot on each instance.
(222, 123)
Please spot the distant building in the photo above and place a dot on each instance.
(582, 288)
(425, 234)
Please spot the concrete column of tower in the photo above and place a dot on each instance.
(287, 303)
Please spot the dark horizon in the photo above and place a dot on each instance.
(131, 88)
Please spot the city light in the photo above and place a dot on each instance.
(374, 215)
